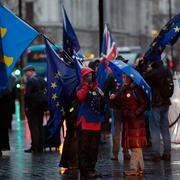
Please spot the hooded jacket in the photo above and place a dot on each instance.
(89, 117)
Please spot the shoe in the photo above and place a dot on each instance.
(28, 150)
(102, 142)
(98, 174)
(63, 170)
(156, 158)
(166, 157)
(91, 174)
(114, 158)
(141, 171)
(0, 153)
(127, 157)
(132, 172)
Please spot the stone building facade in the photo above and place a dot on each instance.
(131, 21)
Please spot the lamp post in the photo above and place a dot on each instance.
(22, 114)
(101, 24)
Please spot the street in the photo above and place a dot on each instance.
(18, 165)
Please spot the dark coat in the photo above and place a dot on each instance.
(132, 103)
(33, 86)
(6, 101)
(110, 86)
(154, 78)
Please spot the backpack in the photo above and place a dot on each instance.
(167, 85)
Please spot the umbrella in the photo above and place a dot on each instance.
(118, 67)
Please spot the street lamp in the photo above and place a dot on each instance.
(101, 24)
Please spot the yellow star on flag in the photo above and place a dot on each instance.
(53, 85)
(7, 60)
(3, 32)
(57, 104)
(62, 111)
(58, 75)
(54, 96)
(177, 29)
(164, 28)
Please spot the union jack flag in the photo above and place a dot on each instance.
(109, 51)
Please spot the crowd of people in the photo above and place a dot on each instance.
(136, 123)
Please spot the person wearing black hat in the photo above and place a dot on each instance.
(33, 111)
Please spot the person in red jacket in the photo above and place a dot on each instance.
(132, 103)
(89, 121)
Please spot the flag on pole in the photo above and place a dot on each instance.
(62, 82)
(15, 36)
(55, 90)
(70, 41)
(109, 50)
(168, 35)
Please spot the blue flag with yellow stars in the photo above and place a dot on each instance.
(15, 36)
(55, 98)
(62, 83)
(70, 40)
(168, 35)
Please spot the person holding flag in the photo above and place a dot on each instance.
(89, 121)
(15, 36)
(70, 48)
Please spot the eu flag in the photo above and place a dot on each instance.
(62, 82)
(55, 87)
(70, 40)
(168, 35)
(15, 36)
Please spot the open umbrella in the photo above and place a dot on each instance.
(118, 67)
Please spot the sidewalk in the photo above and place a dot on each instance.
(18, 165)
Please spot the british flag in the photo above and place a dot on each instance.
(109, 51)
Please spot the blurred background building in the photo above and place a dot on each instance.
(132, 22)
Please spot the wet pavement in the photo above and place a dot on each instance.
(17, 165)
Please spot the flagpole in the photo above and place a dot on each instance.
(20, 65)
(101, 24)
(57, 47)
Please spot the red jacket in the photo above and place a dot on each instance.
(81, 95)
(132, 103)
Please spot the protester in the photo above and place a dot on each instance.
(12, 94)
(34, 111)
(89, 123)
(112, 86)
(105, 126)
(69, 157)
(132, 104)
(5, 115)
(161, 81)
